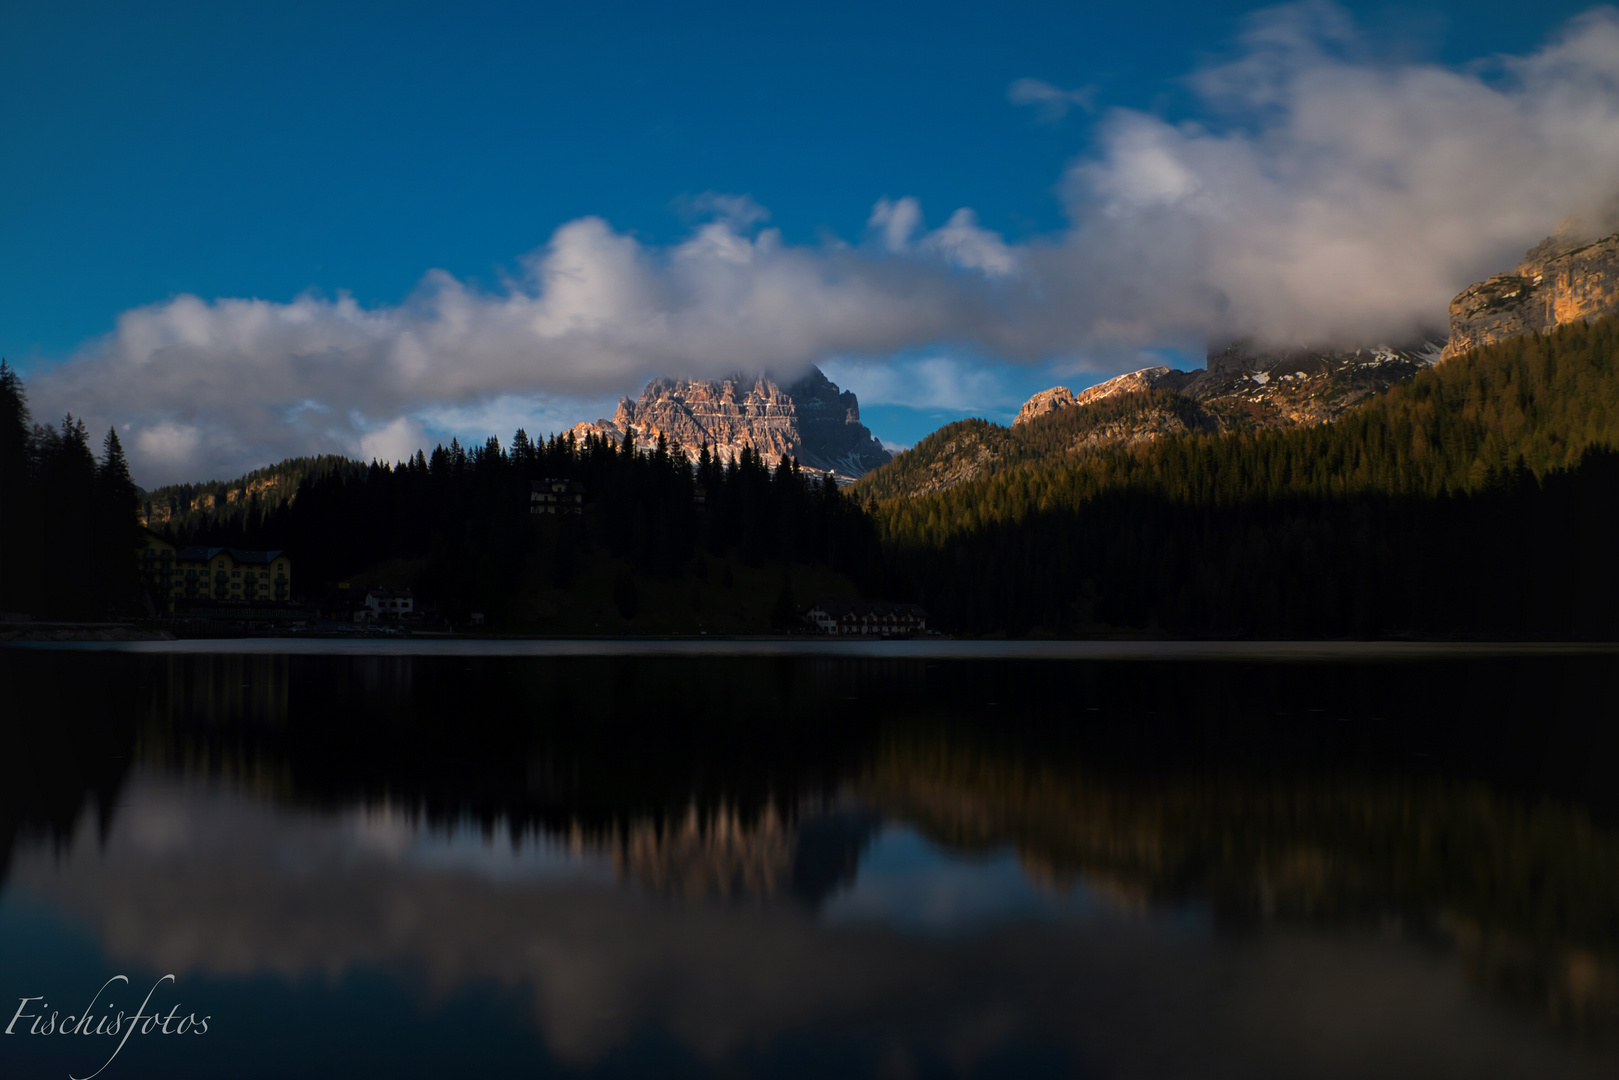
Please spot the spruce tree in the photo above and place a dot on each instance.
(18, 546)
(117, 538)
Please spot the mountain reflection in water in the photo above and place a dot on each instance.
(893, 867)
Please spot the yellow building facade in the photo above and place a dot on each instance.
(214, 574)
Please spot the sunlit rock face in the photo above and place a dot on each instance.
(1060, 397)
(1046, 401)
(1559, 281)
(809, 419)
(1245, 386)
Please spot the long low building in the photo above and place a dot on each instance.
(868, 619)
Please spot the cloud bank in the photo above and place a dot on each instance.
(1322, 192)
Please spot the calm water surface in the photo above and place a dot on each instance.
(893, 863)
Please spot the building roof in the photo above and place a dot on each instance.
(197, 554)
(839, 608)
(263, 557)
(203, 554)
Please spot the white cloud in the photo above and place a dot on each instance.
(1052, 102)
(397, 440)
(1331, 194)
(1325, 192)
(962, 242)
(895, 221)
(166, 442)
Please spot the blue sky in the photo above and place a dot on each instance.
(337, 154)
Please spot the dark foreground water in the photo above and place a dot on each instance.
(809, 865)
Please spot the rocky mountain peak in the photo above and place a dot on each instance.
(1560, 280)
(1046, 401)
(810, 419)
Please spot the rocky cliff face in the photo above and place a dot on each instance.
(1244, 387)
(1558, 282)
(809, 419)
(161, 511)
(1060, 397)
(1046, 401)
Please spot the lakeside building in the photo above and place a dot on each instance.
(214, 580)
(385, 605)
(873, 620)
(556, 496)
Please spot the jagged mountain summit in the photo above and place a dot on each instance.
(809, 419)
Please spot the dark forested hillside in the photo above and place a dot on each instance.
(1479, 498)
(1536, 401)
(975, 449)
(189, 507)
(462, 519)
(67, 548)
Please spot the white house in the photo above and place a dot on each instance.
(387, 605)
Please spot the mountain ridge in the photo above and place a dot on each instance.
(1243, 389)
(1248, 388)
(809, 419)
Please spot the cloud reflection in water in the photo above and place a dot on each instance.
(197, 878)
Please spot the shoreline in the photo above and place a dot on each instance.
(138, 641)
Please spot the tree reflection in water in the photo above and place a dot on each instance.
(656, 841)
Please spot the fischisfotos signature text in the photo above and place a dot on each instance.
(34, 1016)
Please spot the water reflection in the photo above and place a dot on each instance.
(908, 868)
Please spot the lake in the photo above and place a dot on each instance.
(427, 859)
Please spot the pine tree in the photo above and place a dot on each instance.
(14, 434)
(18, 546)
(117, 537)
